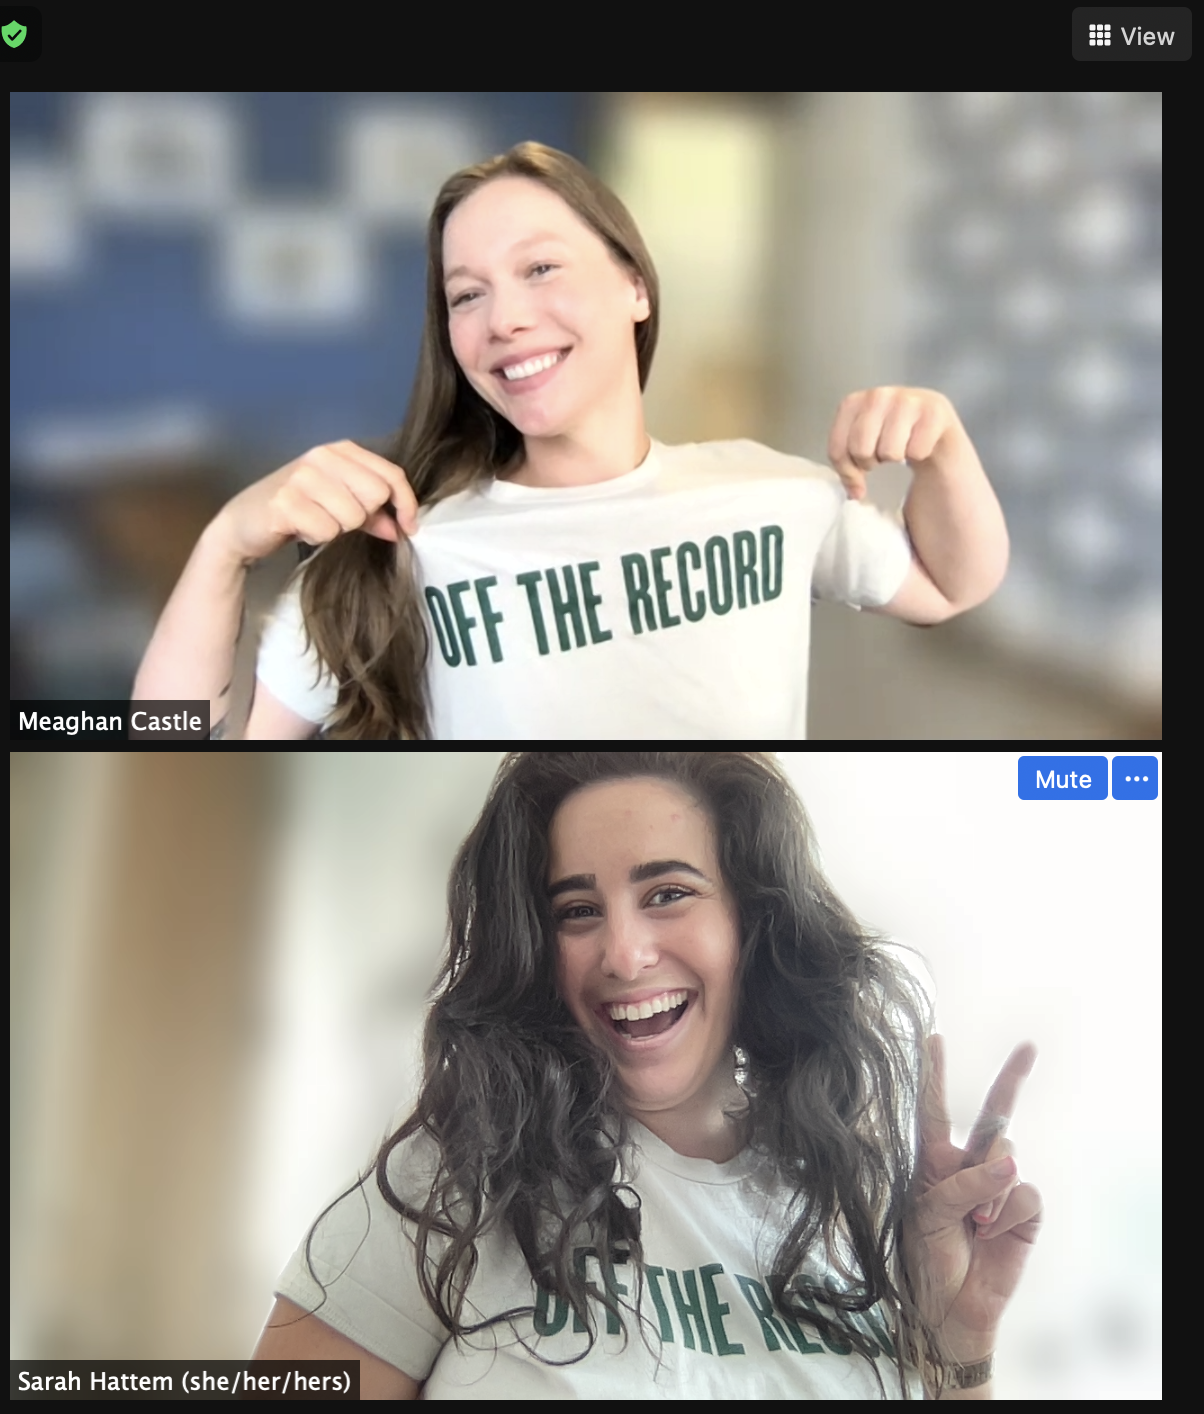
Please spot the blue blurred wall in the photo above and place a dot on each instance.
(139, 325)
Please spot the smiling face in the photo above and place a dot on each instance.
(533, 289)
(643, 917)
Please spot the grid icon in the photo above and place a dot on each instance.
(1099, 34)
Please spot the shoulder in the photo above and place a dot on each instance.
(412, 1164)
(360, 1229)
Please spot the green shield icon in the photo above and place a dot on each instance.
(13, 34)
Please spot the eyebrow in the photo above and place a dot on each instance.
(518, 245)
(652, 870)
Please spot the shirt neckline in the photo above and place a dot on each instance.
(634, 480)
(659, 1154)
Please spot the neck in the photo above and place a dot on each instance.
(700, 1131)
(613, 442)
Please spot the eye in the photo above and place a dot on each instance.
(569, 914)
(462, 299)
(542, 266)
(673, 889)
(566, 915)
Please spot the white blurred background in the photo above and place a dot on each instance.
(205, 285)
(219, 968)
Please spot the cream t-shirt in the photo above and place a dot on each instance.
(673, 602)
(709, 1233)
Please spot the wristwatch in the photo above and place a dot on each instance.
(970, 1376)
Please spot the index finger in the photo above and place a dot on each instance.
(934, 1113)
(404, 500)
(838, 438)
(1000, 1104)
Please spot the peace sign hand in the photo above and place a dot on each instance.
(973, 1223)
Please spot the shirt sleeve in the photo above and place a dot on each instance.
(289, 669)
(367, 1287)
(864, 557)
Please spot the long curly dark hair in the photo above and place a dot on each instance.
(524, 1110)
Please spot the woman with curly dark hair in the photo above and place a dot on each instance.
(672, 1089)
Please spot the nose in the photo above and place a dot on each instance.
(628, 946)
(509, 310)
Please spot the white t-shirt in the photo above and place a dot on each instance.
(672, 602)
(709, 1233)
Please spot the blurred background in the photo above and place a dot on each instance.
(219, 970)
(203, 286)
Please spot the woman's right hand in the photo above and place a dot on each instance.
(320, 496)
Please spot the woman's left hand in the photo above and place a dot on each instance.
(971, 1230)
(881, 425)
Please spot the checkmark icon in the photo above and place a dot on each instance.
(13, 34)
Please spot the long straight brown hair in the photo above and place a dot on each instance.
(359, 595)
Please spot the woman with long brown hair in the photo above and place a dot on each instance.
(681, 1130)
(526, 561)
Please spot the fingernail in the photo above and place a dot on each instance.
(983, 1214)
(1002, 1168)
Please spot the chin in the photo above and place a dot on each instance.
(667, 1090)
(533, 425)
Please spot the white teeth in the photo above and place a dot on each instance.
(637, 1011)
(532, 365)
